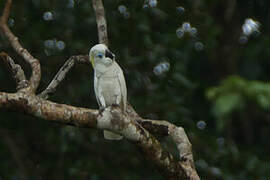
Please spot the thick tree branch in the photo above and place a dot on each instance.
(80, 59)
(101, 22)
(16, 70)
(111, 119)
(34, 63)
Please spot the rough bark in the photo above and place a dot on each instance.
(16, 70)
(101, 22)
(130, 124)
(114, 120)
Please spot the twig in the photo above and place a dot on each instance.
(16, 70)
(101, 22)
(62, 74)
(34, 63)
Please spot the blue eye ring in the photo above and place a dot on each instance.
(99, 55)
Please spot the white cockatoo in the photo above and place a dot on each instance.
(109, 82)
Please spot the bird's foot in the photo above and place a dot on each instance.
(101, 109)
(115, 105)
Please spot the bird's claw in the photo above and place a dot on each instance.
(115, 106)
(101, 109)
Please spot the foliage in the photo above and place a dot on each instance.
(235, 93)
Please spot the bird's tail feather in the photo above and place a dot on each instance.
(111, 136)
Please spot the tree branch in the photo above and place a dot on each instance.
(101, 22)
(111, 119)
(34, 63)
(16, 70)
(179, 137)
(60, 76)
(4, 18)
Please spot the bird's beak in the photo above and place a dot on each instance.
(109, 54)
(92, 61)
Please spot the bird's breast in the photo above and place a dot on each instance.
(109, 88)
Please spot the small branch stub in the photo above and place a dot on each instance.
(16, 70)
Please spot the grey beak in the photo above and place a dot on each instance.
(109, 54)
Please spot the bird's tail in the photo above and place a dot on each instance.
(111, 136)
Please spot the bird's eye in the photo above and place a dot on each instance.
(99, 55)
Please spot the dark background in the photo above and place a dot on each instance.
(220, 94)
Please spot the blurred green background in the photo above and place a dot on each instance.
(214, 83)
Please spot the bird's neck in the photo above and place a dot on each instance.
(101, 68)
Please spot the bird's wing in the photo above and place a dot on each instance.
(123, 87)
(96, 90)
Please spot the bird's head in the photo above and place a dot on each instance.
(100, 54)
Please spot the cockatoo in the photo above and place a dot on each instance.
(109, 82)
